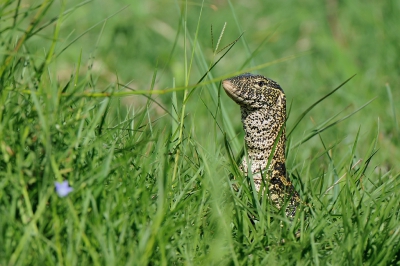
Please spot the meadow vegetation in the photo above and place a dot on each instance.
(123, 100)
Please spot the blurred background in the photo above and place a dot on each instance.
(125, 41)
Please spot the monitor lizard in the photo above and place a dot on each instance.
(263, 106)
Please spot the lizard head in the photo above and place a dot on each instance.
(254, 91)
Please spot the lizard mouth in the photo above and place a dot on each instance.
(231, 90)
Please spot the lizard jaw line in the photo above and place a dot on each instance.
(231, 91)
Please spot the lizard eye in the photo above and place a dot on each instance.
(261, 83)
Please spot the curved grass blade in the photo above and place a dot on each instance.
(315, 104)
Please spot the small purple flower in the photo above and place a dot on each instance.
(63, 189)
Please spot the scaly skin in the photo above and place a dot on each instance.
(263, 107)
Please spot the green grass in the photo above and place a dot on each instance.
(128, 107)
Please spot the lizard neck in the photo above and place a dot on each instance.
(262, 128)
